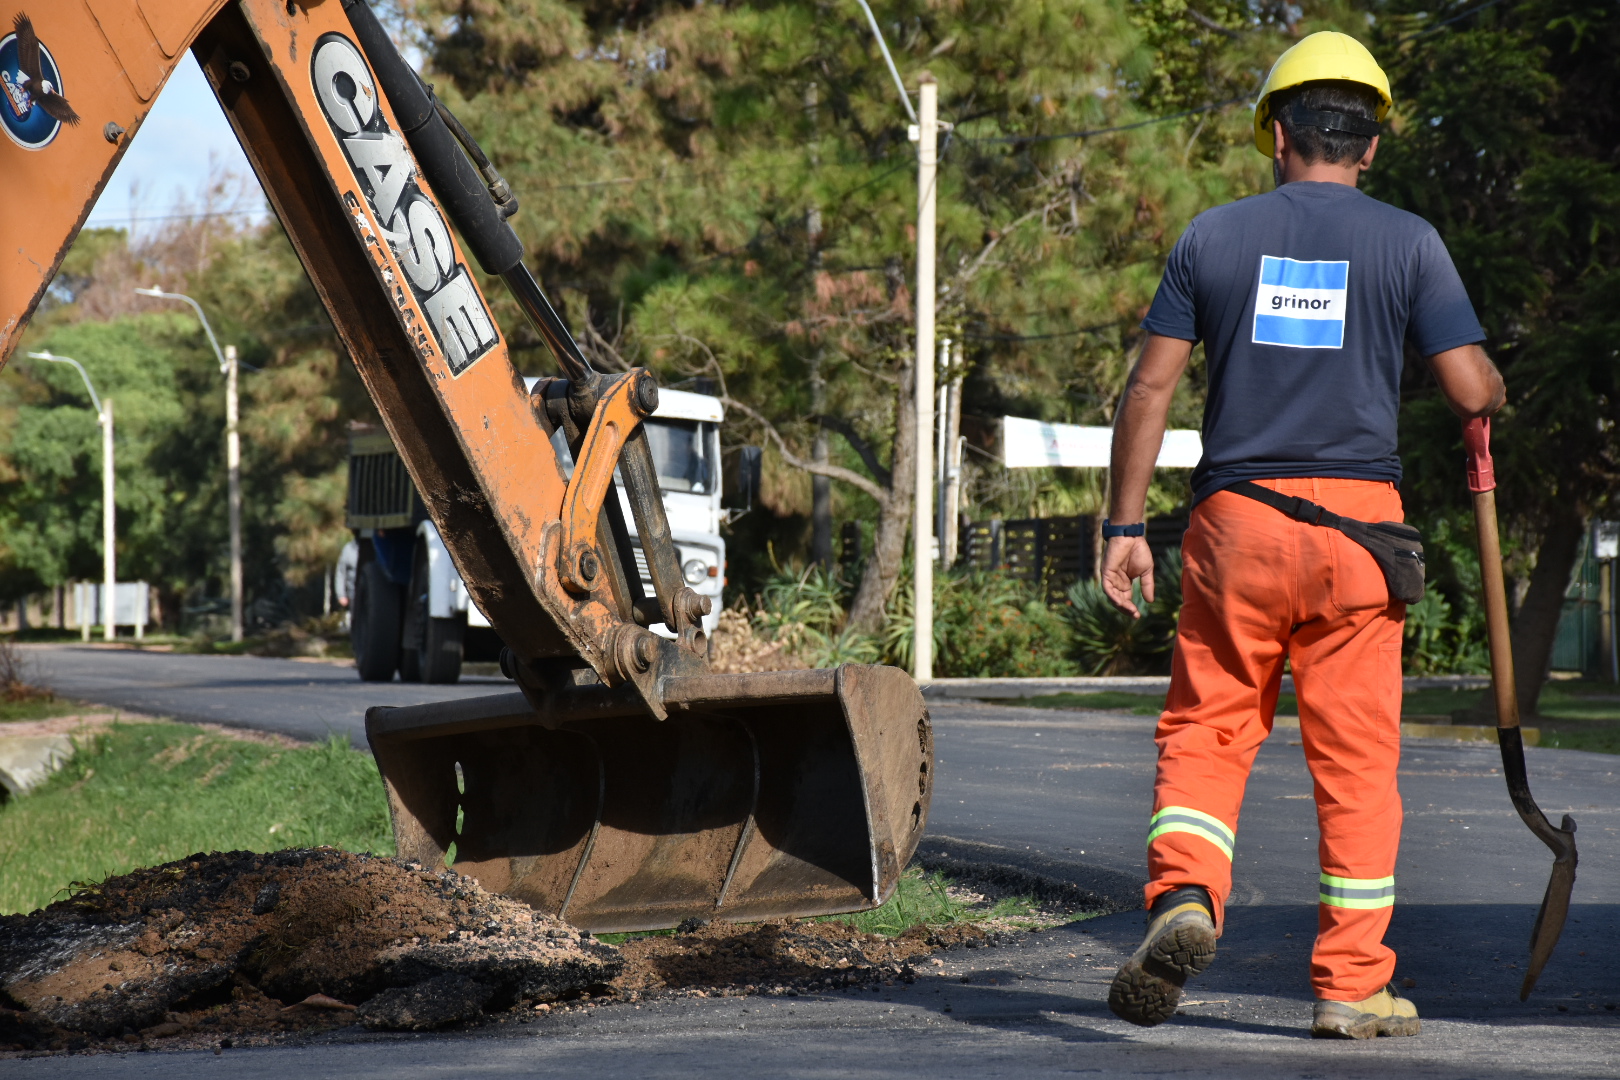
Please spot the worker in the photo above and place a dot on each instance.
(1303, 298)
(343, 579)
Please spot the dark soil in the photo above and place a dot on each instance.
(237, 949)
(231, 944)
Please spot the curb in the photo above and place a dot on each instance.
(1012, 689)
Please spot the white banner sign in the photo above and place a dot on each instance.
(1035, 444)
(132, 603)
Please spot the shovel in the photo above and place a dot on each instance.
(1555, 904)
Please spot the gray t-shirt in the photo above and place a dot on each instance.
(1303, 297)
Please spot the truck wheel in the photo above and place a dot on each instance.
(374, 623)
(442, 656)
(432, 648)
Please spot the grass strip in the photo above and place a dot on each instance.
(142, 794)
(921, 899)
(43, 708)
(1139, 704)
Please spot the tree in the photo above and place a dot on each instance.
(1504, 139)
(155, 363)
(691, 207)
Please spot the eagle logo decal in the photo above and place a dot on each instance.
(35, 107)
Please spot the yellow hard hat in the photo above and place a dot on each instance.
(1325, 55)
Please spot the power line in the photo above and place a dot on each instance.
(1045, 337)
(1211, 107)
(905, 98)
(1447, 22)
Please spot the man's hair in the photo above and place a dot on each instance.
(1316, 144)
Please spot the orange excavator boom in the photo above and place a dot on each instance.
(624, 786)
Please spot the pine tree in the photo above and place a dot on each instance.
(1504, 138)
(701, 219)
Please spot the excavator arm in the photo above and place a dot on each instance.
(625, 787)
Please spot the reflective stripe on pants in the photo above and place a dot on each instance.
(1184, 819)
(1357, 892)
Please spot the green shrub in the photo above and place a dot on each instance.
(1107, 641)
(1445, 632)
(805, 611)
(987, 624)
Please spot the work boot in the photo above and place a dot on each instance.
(1180, 943)
(1385, 1013)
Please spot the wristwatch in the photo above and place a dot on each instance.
(1111, 531)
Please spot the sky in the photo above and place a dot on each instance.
(172, 155)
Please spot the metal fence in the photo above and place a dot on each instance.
(1052, 553)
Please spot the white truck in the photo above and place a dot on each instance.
(409, 612)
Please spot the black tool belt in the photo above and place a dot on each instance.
(1397, 548)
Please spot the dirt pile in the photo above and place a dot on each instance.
(239, 948)
(235, 941)
(778, 958)
(737, 646)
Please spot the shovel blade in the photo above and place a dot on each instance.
(765, 795)
(1554, 908)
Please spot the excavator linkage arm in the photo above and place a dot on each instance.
(626, 787)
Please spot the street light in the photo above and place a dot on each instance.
(233, 452)
(109, 566)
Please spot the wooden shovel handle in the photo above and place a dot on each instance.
(1482, 482)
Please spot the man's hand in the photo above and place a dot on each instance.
(1126, 559)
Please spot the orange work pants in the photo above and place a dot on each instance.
(1260, 588)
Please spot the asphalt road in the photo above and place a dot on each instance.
(1065, 794)
(305, 699)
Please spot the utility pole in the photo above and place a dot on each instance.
(233, 451)
(109, 531)
(922, 525)
(109, 510)
(233, 468)
(957, 442)
(950, 453)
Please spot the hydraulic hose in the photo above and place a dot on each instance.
(462, 190)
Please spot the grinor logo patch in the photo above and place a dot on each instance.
(410, 221)
(1301, 304)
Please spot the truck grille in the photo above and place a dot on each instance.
(381, 495)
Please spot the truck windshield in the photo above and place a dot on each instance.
(680, 451)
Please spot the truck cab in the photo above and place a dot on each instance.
(410, 612)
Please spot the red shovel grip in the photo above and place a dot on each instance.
(1477, 442)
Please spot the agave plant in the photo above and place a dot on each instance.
(1109, 642)
(791, 601)
(848, 647)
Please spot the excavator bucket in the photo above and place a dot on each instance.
(762, 796)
